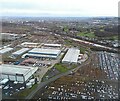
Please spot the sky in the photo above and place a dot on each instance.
(60, 8)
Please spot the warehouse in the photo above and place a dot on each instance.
(30, 44)
(17, 73)
(5, 50)
(71, 56)
(40, 52)
(52, 45)
(20, 52)
(8, 36)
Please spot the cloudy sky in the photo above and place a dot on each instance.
(59, 7)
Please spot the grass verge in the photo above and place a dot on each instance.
(61, 68)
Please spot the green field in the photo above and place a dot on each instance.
(84, 34)
(61, 68)
(112, 38)
(115, 38)
(82, 50)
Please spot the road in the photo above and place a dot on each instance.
(42, 84)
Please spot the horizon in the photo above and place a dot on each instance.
(59, 8)
(61, 16)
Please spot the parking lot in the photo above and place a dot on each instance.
(109, 62)
(94, 89)
(11, 88)
(43, 64)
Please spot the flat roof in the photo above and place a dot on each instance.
(29, 43)
(5, 50)
(54, 45)
(21, 51)
(45, 51)
(71, 55)
(9, 34)
(15, 69)
(39, 55)
(4, 81)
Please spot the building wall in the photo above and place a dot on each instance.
(13, 77)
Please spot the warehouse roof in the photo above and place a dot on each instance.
(71, 55)
(8, 34)
(21, 51)
(44, 51)
(29, 43)
(53, 45)
(5, 50)
(39, 55)
(15, 69)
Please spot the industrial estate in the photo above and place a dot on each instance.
(59, 59)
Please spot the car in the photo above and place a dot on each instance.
(22, 88)
(11, 87)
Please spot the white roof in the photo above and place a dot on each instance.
(5, 50)
(8, 34)
(29, 43)
(71, 55)
(54, 45)
(4, 81)
(44, 51)
(15, 69)
(21, 51)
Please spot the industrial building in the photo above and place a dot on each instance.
(30, 44)
(5, 50)
(8, 36)
(17, 73)
(52, 45)
(71, 56)
(40, 52)
(20, 52)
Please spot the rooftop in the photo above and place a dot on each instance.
(29, 43)
(53, 45)
(21, 51)
(71, 55)
(2, 51)
(45, 51)
(39, 55)
(15, 69)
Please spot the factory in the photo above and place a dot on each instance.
(5, 50)
(30, 44)
(43, 53)
(17, 73)
(20, 52)
(52, 45)
(71, 56)
(8, 36)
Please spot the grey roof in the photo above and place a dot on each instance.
(5, 50)
(71, 55)
(21, 51)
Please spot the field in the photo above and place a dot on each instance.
(61, 68)
(89, 35)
